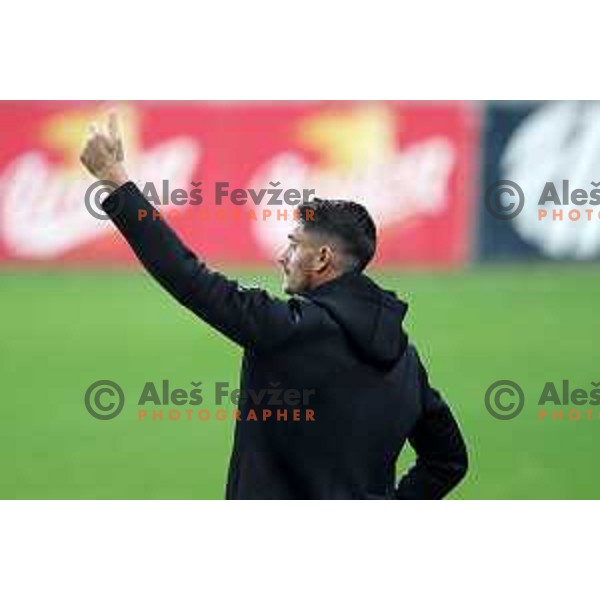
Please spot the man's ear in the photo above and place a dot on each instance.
(325, 257)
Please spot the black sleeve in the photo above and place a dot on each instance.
(442, 459)
(250, 317)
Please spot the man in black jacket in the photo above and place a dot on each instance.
(339, 336)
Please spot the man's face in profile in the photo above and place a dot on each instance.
(298, 261)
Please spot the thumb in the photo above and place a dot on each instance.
(115, 135)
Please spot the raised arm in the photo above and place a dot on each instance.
(250, 317)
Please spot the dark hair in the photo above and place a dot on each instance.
(348, 222)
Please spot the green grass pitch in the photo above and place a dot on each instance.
(61, 331)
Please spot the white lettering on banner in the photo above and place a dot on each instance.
(559, 141)
(404, 185)
(42, 210)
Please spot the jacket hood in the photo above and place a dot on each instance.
(370, 316)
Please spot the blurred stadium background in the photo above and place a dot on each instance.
(489, 298)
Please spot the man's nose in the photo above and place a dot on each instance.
(282, 257)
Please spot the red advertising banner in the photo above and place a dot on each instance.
(410, 163)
